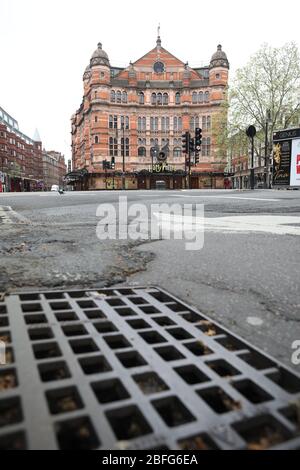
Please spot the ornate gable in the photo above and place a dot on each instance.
(158, 65)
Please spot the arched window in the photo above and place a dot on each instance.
(142, 152)
(152, 124)
(206, 99)
(165, 99)
(113, 96)
(119, 96)
(201, 97)
(194, 97)
(153, 98)
(111, 122)
(177, 98)
(124, 97)
(96, 118)
(192, 123)
(177, 152)
(208, 123)
(203, 147)
(111, 147)
(175, 124)
(141, 98)
(96, 139)
(159, 98)
(208, 146)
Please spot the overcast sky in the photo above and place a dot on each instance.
(45, 46)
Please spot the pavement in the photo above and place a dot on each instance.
(246, 276)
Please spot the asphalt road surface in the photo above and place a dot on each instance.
(246, 276)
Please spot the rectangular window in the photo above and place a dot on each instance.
(115, 147)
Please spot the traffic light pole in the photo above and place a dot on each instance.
(123, 157)
(190, 168)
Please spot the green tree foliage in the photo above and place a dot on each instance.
(269, 81)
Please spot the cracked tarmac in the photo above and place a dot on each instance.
(236, 276)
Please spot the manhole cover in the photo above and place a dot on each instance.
(136, 368)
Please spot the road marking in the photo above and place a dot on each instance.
(9, 216)
(4, 219)
(231, 197)
(277, 225)
(255, 321)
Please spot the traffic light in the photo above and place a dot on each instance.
(198, 142)
(192, 145)
(106, 165)
(198, 139)
(112, 165)
(185, 142)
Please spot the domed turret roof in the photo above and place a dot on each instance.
(219, 59)
(99, 57)
(87, 73)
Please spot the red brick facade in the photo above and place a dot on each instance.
(22, 163)
(151, 102)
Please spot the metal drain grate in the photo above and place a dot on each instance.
(136, 369)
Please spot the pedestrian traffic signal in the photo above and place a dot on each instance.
(112, 165)
(198, 139)
(185, 142)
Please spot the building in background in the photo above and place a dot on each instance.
(54, 169)
(23, 164)
(127, 112)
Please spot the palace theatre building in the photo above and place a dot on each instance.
(127, 112)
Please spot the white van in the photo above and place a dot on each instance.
(55, 187)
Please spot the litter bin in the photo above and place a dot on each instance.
(160, 185)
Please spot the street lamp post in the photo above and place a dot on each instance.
(251, 133)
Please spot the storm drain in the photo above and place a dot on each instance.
(136, 369)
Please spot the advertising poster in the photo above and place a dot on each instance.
(282, 163)
(295, 163)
